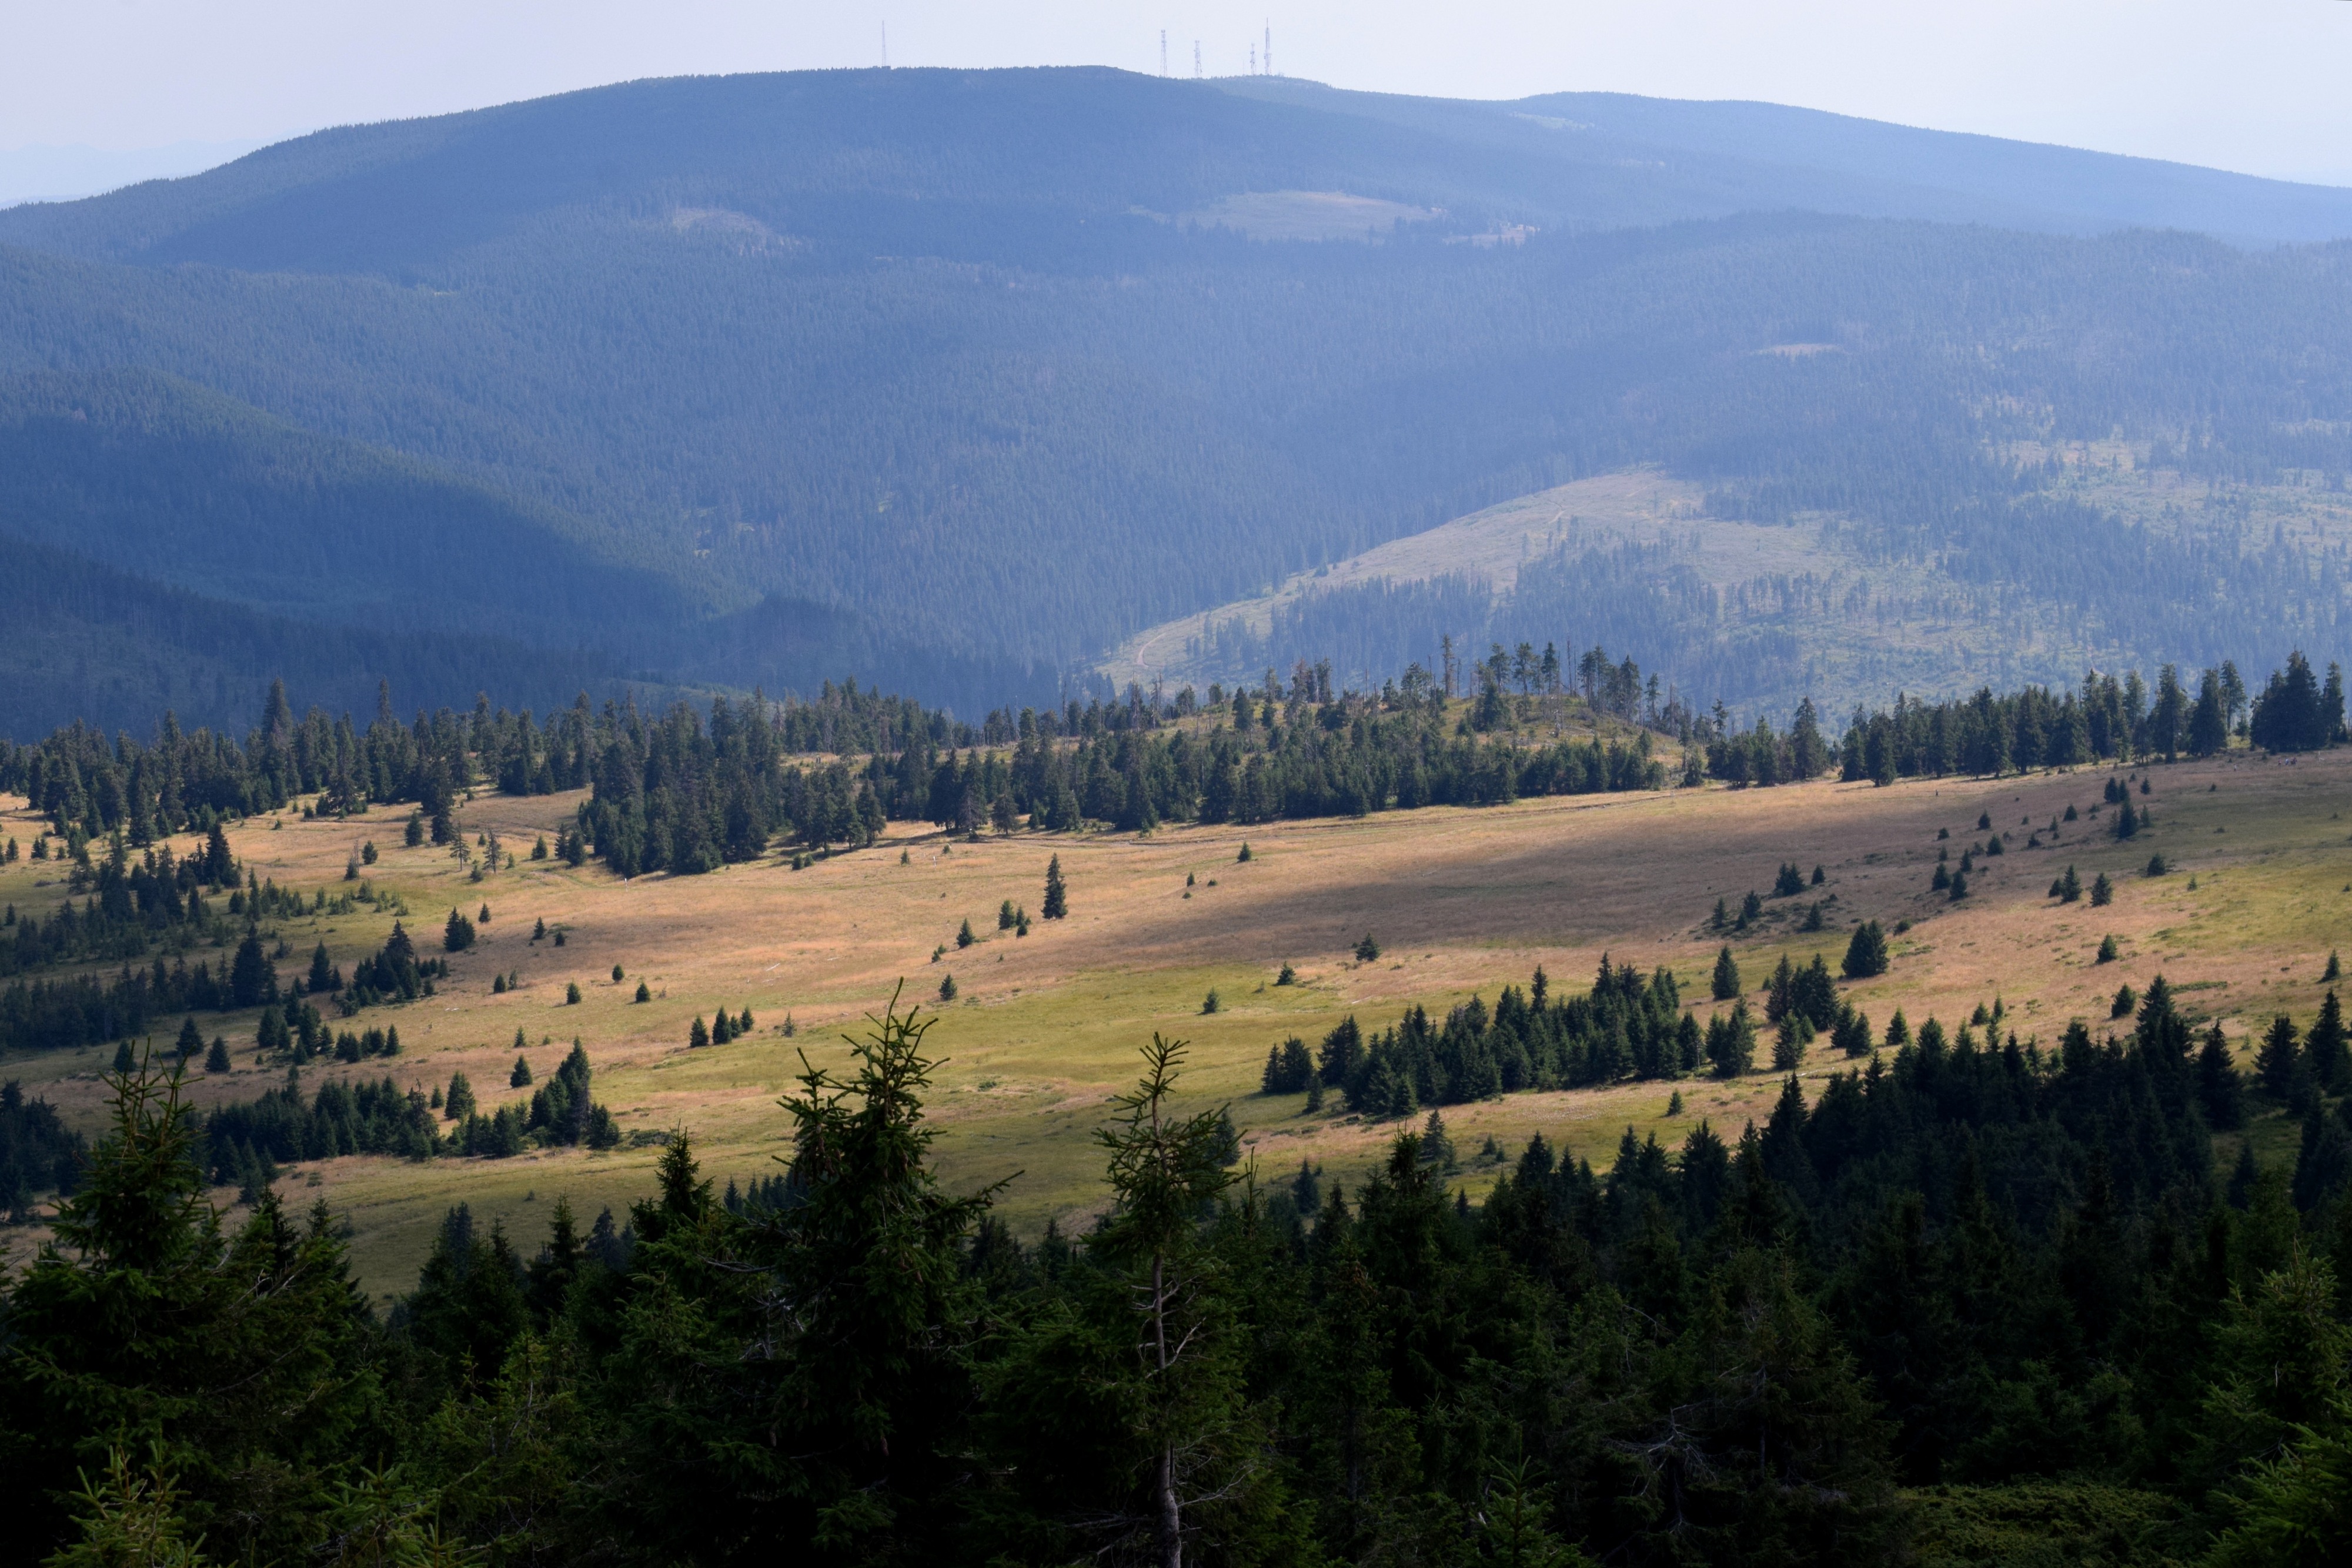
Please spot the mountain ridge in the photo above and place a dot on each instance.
(945, 389)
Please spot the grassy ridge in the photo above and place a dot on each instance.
(1462, 900)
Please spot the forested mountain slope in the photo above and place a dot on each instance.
(956, 380)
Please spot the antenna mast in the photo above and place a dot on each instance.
(1196, 59)
(1270, 49)
(1163, 51)
(885, 45)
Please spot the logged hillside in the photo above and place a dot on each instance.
(960, 380)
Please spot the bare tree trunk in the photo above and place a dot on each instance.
(1171, 1513)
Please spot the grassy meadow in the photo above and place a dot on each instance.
(1045, 1026)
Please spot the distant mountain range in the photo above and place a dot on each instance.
(957, 381)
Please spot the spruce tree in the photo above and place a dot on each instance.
(1057, 897)
(2103, 892)
(1004, 915)
(1731, 1042)
(459, 1102)
(2218, 1089)
(2278, 1062)
(644, 992)
(191, 1040)
(521, 1077)
(1787, 1044)
(217, 1059)
(1781, 991)
(964, 938)
(1164, 1172)
(1866, 954)
(1727, 976)
(698, 1035)
(2326, 1048)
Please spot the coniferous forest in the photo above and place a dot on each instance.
(1971, 1302)
(1968, 1298)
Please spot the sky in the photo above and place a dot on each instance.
(2255, 86)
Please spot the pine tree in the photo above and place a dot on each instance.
(1004, 915)
(2103, 892)
(947, 988)
(698, 1035)
(1057, 898)
(964, 938)
(459, 1103)
(1727, 976)
(521, 1077)
(217, 1059)
(191, 1040)
(2334, 970)
(457, 933)
(644, 992)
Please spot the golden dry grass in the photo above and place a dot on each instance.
(1045, 1029)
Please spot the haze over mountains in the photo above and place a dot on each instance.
(958, 382)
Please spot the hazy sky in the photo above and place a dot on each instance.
(2253, 85)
